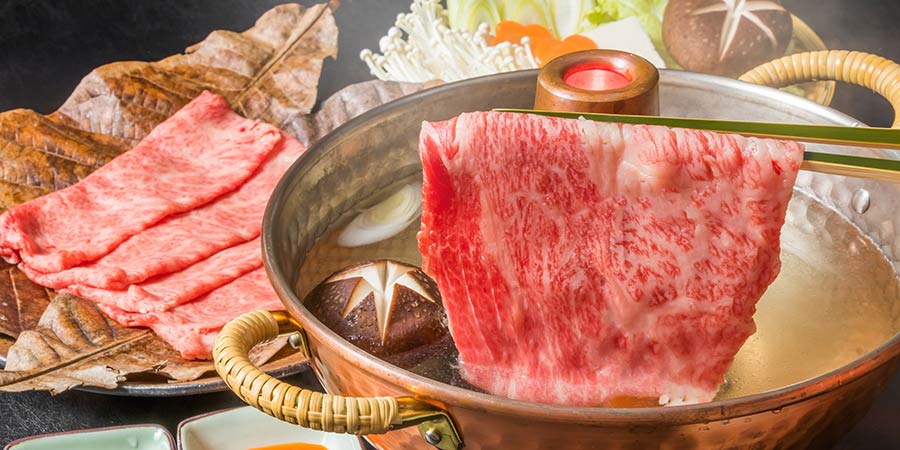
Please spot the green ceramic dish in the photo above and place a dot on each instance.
(134, 437)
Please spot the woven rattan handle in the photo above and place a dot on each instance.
(874, 72)
(310, 409)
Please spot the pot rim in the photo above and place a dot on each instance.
(449, 395)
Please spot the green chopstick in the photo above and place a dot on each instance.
(847, 165)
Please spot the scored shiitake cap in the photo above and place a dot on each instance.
(725, 37)
(384, 307)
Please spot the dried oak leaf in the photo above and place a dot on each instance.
(269, 72)
(75, 344)
(344, 105)
(39, 155)
(21, 301)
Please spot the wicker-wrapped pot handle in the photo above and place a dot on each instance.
(316, 410)
(863, 69)
(292, 404)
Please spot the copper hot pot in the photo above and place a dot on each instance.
(381, 145)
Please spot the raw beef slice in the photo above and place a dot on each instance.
(191, 328)
(183, 239)
(167, 291)
(201, 152)
(580, 262)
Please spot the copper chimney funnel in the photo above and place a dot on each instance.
(599, 81)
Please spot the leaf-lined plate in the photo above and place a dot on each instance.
(269, 73)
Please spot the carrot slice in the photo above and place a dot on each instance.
(543, 45)
(545, 51)
(508, 31)
(580, 42)
(537, 32)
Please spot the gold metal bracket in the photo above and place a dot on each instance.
(441, 433)
(434, 424)
(296, 336)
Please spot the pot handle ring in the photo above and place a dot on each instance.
(310, 409)
(863, 69)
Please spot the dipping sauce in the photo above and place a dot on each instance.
(291, 446)
(596, 78)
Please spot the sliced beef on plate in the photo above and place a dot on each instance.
(580, 262)
(184, 239)
(192, 327)
(170, 290)
(201, 152)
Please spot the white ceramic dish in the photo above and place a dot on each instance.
(246, 427)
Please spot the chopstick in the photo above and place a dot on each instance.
(846, 165)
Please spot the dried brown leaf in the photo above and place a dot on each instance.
(181, 369)
(75, 344)
(280, 57)
(21, 301)
(72, 345)
(31, 130)
(344, 105)
(281, 91)
(5, 343)
(38, 155)
(13, 194)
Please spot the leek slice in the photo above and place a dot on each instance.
(529, 12)
(385, 219)
(469, 14)
(569, 16)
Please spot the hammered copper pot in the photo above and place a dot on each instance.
(380, 146)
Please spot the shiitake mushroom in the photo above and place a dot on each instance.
(384, 307)
(725, 37)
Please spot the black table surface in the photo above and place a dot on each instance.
(47, 46)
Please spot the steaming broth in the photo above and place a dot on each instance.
(836, 299)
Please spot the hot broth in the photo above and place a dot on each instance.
(836, 299)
